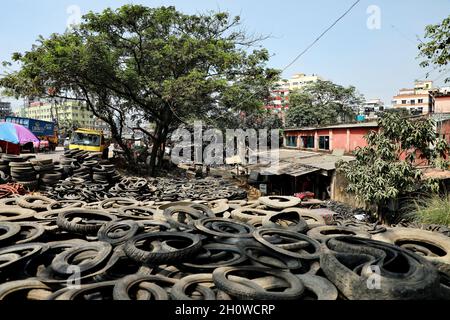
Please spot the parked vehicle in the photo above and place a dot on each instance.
(43, 130)
(89, 140)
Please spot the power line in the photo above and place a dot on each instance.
(308, 47)
(322, 34)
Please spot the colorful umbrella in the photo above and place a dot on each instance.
(16, 134)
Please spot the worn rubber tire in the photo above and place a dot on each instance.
(430, 240)
(244, 292)
(157, 257)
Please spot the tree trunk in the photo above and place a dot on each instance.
(156, 146)
(128, 154)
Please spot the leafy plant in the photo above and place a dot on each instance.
(436, 48)
(388, 166)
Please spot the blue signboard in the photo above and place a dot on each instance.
(37, 127)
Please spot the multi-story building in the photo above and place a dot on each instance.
(298, 81)
(69, 114)
(5, 109)
(417, 100)
(280, 94)
(371, 108)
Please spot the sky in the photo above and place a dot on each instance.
(373, 48)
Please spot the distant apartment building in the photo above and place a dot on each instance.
(65, 113)
(417, 100)
(5, 109)
(280, 94)
(371, 108)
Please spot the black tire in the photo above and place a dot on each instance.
(29, 232)
(10, 213)
(403, 275)
(323, 233)
(158, 256)
(245, 292)
(313, 246)
(274, 221)
(87, 229)
(322, 288)
(178, 291)
(20, 285)
(204, 263)
(34, 202)
(109, 231)
(137, 213)
(265, 257)
(123, 290)
(206, 225)
(104, 289)
(62, 263)
(9, 231)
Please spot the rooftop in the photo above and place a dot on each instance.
(372, 124)
(297, 163)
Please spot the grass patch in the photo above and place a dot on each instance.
(433, 210)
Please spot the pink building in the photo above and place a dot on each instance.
(345, 137)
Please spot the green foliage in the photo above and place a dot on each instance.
(156, 64)
(388, 166)
(436, 49)
(402, 112)
(322, 103)
(433, 210)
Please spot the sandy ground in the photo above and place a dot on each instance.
(54, 155)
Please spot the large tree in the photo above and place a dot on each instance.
(322, 103)
(389, 165)
(436, 47)
(156, 64)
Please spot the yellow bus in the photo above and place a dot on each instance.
(89, 140)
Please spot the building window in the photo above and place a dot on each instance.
(291, 141)
(324, 143)
(413, 101)
(420, 101)
(308, 142)
(403, 101)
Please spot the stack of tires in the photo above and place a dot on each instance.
(48, 175)
(68, 166)
(23, 172)
(4, 171)
(105, 174)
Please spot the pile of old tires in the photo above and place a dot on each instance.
(29, 172)
(268, 249)
(86, 177)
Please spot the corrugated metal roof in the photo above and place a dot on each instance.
(297, 163)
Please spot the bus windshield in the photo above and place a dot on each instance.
(85, 139)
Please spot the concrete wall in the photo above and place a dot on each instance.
(442, 105)
(338, 192)
(357, 138)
